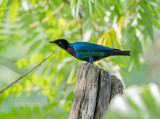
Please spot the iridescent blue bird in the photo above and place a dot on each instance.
(88, 51)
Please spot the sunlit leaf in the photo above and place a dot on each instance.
(3, 3)
(50, 31)
(49, 16)
(126, 19)
(33, 2)
(120, 23)
(62, 22)
(108, 42)
(21, 63)
(14, 11)
(35, 58)
(115, 39)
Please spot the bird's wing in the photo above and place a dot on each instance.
(85, 46)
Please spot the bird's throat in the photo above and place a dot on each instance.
(71, 51)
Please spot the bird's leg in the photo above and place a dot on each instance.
(91, 60)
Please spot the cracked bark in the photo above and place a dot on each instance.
(93, 92)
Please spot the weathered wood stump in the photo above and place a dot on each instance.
(93, 92)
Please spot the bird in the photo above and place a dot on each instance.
(89, 52)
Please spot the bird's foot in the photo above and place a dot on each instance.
(91, 60)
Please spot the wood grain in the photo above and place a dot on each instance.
(93, 92)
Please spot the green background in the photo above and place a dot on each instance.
(27, 26)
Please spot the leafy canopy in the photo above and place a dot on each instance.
(26, 27)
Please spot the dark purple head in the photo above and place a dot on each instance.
(61, 43)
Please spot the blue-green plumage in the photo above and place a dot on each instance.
(88, 51)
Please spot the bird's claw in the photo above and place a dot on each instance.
(91, 60)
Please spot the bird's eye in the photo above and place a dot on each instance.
(60, 42)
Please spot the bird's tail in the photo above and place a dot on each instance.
(119, 52)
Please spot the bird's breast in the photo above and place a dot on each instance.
(71, 51)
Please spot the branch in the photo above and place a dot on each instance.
(26, 74)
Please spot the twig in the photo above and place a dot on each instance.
(58, 9)
(24, 75)
(95, 26)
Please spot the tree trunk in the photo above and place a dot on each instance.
(93, 92)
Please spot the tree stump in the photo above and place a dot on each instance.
(93, 92)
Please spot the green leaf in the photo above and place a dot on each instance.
(72, 3)
(90, 7)
(50, 16)
(130, 3)
(13, 11)
(146, 20)
(35, 58)
(70, 96)
(34, 46)
(50, 31)
(3, 3)
(33, 2)
(97, 8)
(75, 5)
(136, 51)
(114, 39)
(138, 46)
(138, 106)
(156, 23)
(21, 63)
(78, 8)
(2, 8)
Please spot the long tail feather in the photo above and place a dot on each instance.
(119, 52)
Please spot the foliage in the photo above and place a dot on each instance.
(28, 25)
(139, 102)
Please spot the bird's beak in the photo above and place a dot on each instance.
(52, 42)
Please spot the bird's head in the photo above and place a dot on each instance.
(61, 43)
